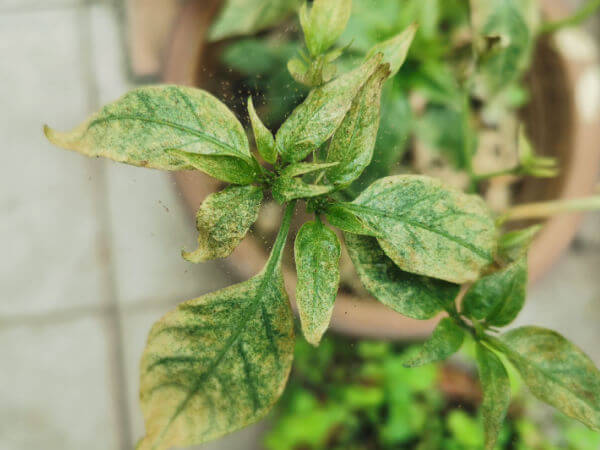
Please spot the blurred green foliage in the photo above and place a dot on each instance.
(354, 395)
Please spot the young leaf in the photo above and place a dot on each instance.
(223, 220)
(240, 17)
(498, 298)
(514, 244)
(285, 189)
(395, 49)
(340, 217)
(143, 126)
(353, 142)
(496, 394)
(302, 168)
(411, 295)
(218, 362)
(316, 119)
(317, 253)
(265, 142)
(426, 228)
(446, 339)
(556, 371)
(225, 168)
(324, 23)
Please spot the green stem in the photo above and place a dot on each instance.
(577, 18)
(546, 209)
(276, 252)
(499, 173)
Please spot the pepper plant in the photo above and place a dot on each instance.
(219, 362)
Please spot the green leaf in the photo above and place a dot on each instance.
(285, 189)
(317, 253)
(324, 23)
(395, 49)
(346, 220)
(514, 244)
(556, 372)
(302, 168)
(411, 295)
(218, 362)
(316, 119)
(223, 220)
(225, 168)
(496, 394)
(425, 227)
(240, 17)
(498, 298)
(146, 124)
(353, 142)
(446, 339)
(265, 142)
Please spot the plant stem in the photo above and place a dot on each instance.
(546, 209)
(578, 17)
(486, 176)
(276, 252)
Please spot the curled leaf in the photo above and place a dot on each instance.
(302, 168)
(223, 220)
(324, 23)
(285, 189)
(265, 142)
(395, 49)
(317, 253)
(446, 339)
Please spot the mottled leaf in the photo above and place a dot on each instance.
(285, 189)
(302, 168)
(241, 17)
(515, 244)
(425, 227)
(317, 253)
(346, 220)
(395, 49)
(143, 126)
(411, 295)
(223, 220)
(265, 142)
(353, 142)
(225, 168)
(446, 339)
(324, 23)
(219, 362)
(498, 298)
(316, 119)
(557, 372)
(496, 394)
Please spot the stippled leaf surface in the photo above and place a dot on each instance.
(395, 49)
(223, 220)
(225, 168)
(240, 17)
(411, 295)
(557, 372)
(146, 124)
(353, 142)
(302, 168)
(427, 228)
(496, 394)
(316, 119)
(317, 253)
(446, 339)
(498, 298)
(323, 23)
(285, 189)
(265, 142)
(218, 362)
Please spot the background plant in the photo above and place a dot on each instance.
(220, 361)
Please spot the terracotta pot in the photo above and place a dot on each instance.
(561, 124)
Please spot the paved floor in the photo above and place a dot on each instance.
(91, 249)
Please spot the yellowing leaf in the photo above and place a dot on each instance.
(316, 119)
(498, 298)
(285, 189)
(145, 125)
(353, 142)
(223, 220)
(240, 17)
(317, 253)
(556, 371)
(395, 49)
(265, 142)
(496, 394)
(425, 227)
(219, 362)
(324, 23)
(446, 339)
(411, 295)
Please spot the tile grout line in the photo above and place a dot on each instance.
(115, 362)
